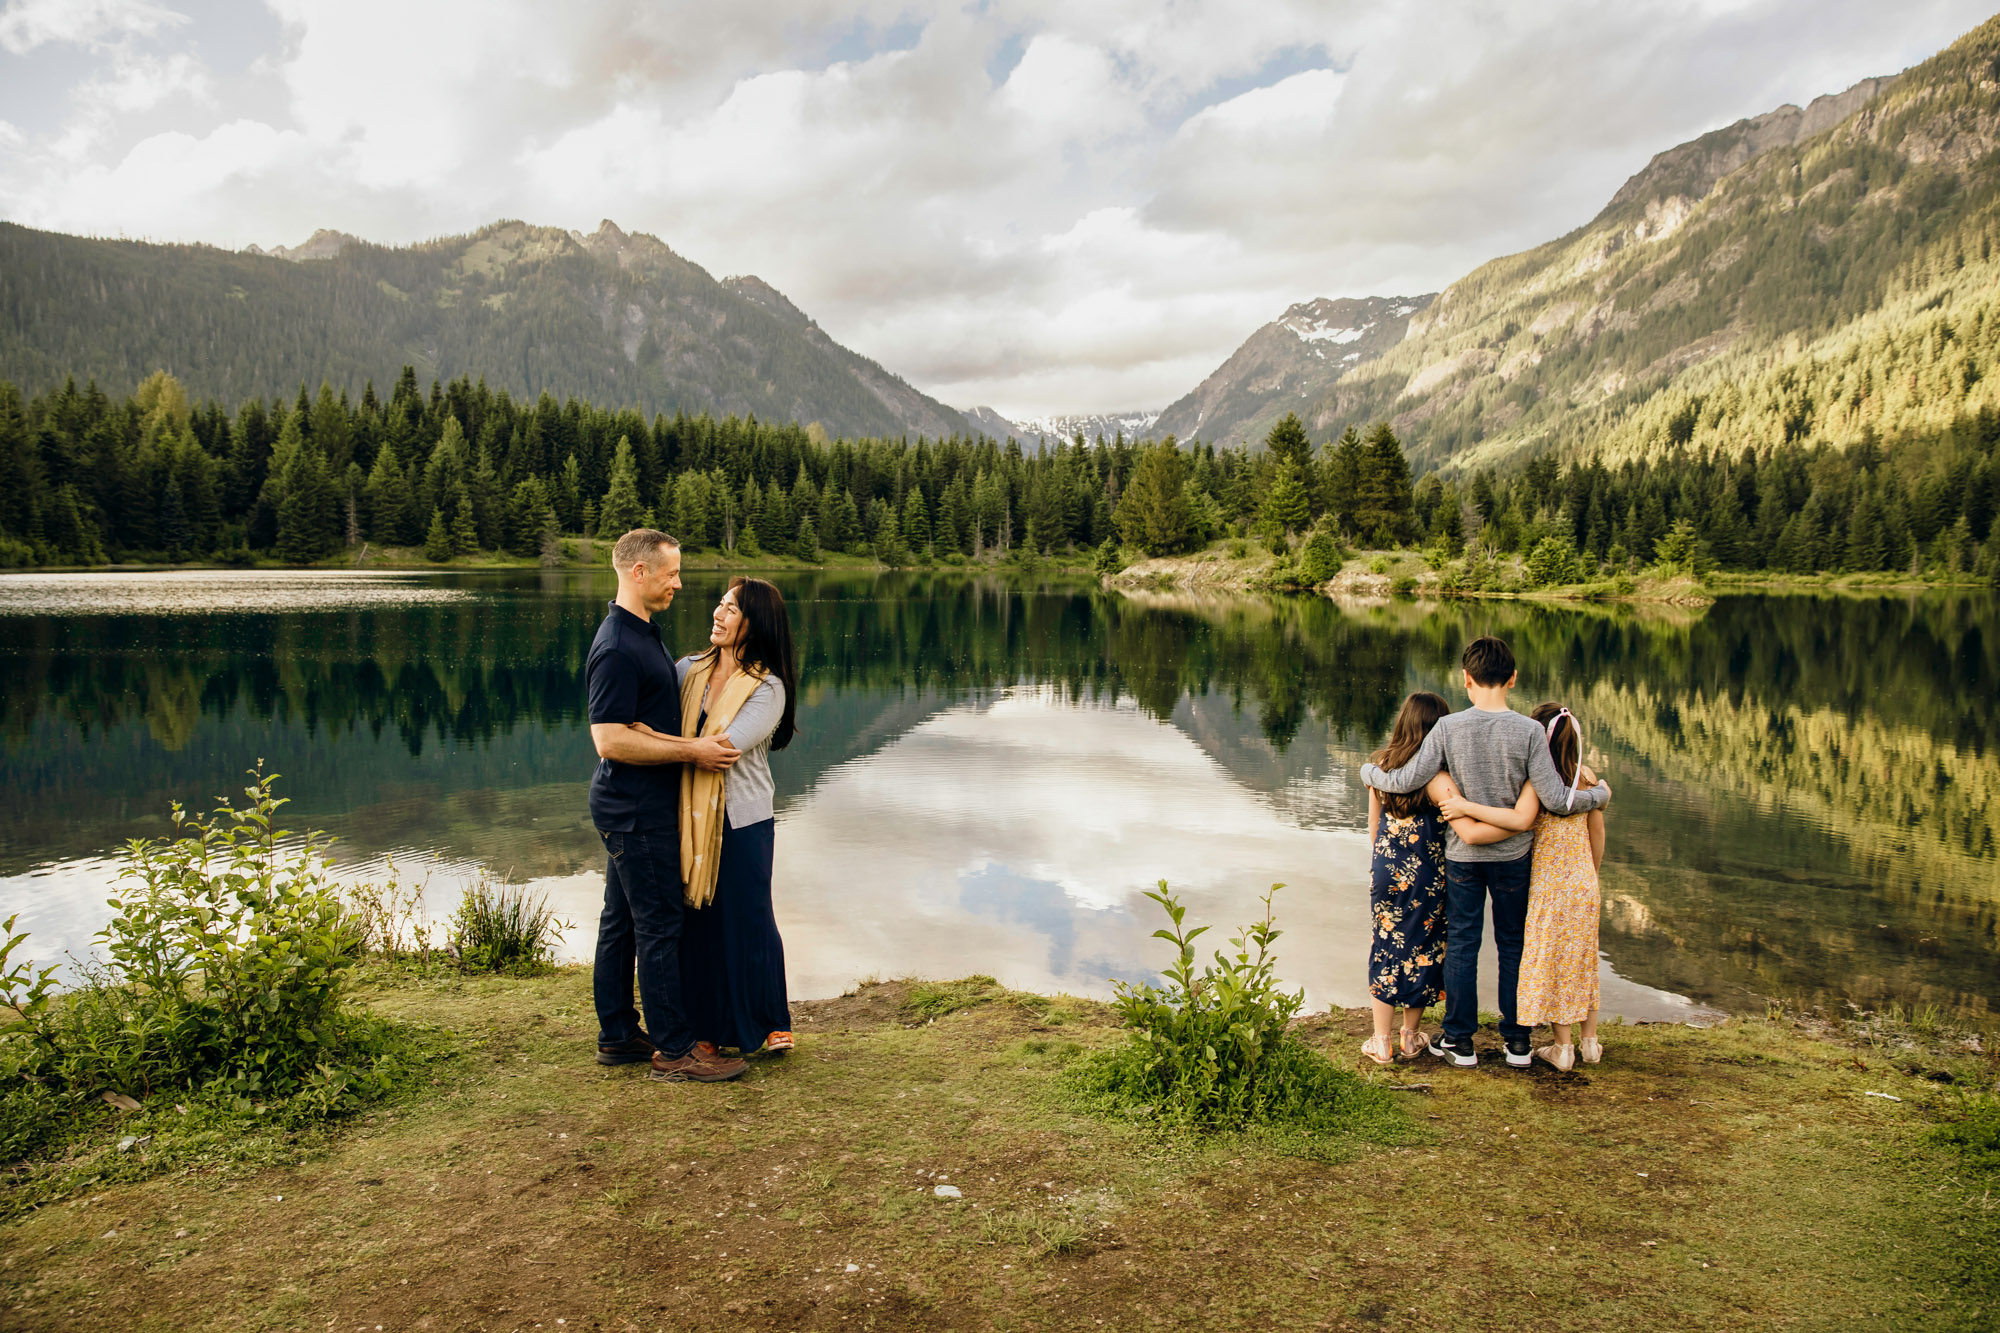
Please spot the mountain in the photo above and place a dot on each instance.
(1061, 429)
(988, 422)
(1286, 364)
(615, 318)
(1826, 274)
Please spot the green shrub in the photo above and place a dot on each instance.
(1213, 1051)
(1404, 585)
(1321, 557)
(1108, 560)
(1238, 548)
(501, 929)
(1976, 1132)
(1379, 565)
(218, 981)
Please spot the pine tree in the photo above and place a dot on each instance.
(1385, 510)
(1287, 443)
(437, 540)
(1341, 479)
(621, 511)
(806, 544)
(1286, 509)
(916, 524)
(308, 518)
(1153, 512)
(464, 532)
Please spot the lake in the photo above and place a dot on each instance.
(991, 771)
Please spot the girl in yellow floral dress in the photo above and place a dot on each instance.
(1559, 954)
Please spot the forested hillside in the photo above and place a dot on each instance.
(616, 318)
(1776, 285)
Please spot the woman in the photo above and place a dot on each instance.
(744, 686)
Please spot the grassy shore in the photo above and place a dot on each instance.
(1741, 1177)
(1247, 566)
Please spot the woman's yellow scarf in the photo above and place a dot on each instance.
(701, 790)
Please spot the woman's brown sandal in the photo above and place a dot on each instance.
(778, 1043)
(1379, 1049)
(1414, 1043)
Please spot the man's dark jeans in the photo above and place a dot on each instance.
(1466, 886)
(641, 927)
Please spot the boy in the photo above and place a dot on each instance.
(1490, 751)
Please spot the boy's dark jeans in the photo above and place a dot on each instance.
(1466, 886)
(641, 927)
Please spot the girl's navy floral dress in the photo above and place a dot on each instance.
(1406, 898)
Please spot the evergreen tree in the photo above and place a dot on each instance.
(621, 511)
(1286, 508)
(1287, 443)
(437, 539)
(806, 544)
(1384, 507)
(309, 517)
(1341, 480)
(916, 522)
(464, 532)
(1153, 512)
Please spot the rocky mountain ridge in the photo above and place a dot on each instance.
(610, 316)
(1287, 363)
(1728, 268)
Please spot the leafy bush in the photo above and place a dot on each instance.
(1379, 565)
(1404, 585)
(1239, 548)
(501, 929)
(1321, 557)
(1109, 559)
(1213, 1050)
(219, 982)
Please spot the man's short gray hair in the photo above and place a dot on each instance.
(639, 546)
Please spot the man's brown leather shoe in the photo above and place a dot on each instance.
(697, 1066)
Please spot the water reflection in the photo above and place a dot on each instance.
(989, 774)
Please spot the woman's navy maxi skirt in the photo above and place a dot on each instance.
(732, 959)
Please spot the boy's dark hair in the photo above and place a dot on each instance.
(1489, 661)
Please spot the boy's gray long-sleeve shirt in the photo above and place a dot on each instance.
(1491, 755)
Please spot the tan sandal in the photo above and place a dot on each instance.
(1414, 1043)
(778, 1043)
(1379, 1049)
(1590, 1050)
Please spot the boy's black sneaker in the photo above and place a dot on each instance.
(1454, 1050)
(1518, 1054)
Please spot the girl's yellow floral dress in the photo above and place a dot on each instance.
(1406, 899)
(1559, 956)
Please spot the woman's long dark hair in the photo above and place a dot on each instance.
(1420, 713)
(767, 642)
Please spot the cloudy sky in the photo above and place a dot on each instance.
(1045, 205)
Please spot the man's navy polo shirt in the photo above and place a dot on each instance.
(631, 679)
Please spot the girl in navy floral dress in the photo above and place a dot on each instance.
(1406, 885)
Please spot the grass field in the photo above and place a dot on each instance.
(1739, 1177)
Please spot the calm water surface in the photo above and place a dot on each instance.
(990, 774)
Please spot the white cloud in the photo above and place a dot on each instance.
(1031, 203)
(27, 24)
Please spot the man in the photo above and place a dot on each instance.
(635, 806)
(1491, 752)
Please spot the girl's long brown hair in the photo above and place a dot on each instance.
(1565, 745)
(1420, 713)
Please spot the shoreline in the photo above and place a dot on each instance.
(1380, 575)
(1763, 1171)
